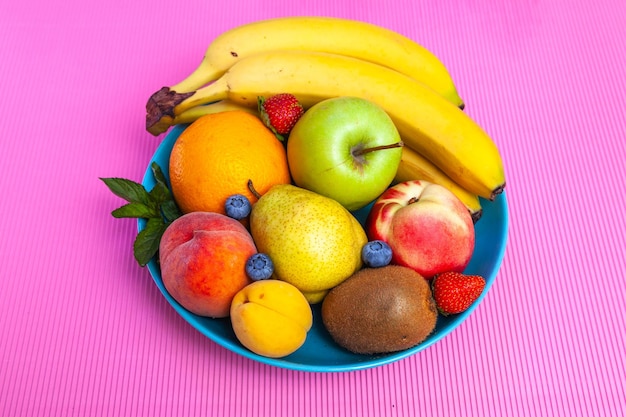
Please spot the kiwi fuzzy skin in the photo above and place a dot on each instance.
(380, 310)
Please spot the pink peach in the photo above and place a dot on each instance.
(203, 257)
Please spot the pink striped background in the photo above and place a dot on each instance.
(84, 331)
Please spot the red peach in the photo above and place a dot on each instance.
(203, 257)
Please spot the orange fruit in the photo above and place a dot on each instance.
(216, 155)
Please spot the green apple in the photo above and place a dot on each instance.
(345, 148)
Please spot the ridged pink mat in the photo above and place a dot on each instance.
(84, 331)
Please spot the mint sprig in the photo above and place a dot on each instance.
(157, 206)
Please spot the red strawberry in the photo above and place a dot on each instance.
(280, 113)
(455, 292)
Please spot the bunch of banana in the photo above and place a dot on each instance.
(316, 58)
(319, 34)
(427, 122)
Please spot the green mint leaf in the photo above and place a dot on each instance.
(157, 206)
(170, 211)
(159, 194)
(130, 191)
(135, 210)
(159, 177)
(147, 242)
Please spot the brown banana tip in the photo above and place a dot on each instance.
(476, 215)
(497, 190)
(462, 106)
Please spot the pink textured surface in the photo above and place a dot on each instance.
(84, 331)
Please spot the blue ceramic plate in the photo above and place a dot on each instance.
(320, 353)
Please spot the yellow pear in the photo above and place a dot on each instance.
(314, 242)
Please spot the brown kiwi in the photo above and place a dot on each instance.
(380, 310)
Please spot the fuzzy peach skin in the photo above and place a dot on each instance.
(427, 227)
(203, 257)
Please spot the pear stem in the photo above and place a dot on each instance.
(360, 152)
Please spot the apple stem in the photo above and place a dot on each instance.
(360, 152)
(253, 190)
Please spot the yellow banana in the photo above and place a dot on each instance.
(194, 113)
(428, 123)
(322, 34)
(414, 166)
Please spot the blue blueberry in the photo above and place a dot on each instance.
(259, 266)
(238, 206)
(376, 254)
